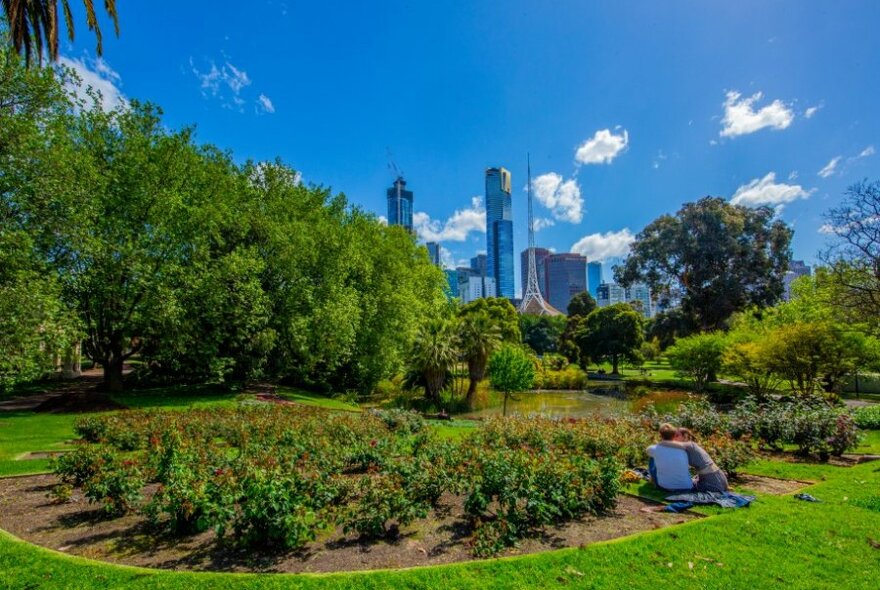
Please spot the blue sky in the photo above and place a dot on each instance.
(628, 108)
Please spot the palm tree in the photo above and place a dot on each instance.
(479, 337)
(33, 22)
(433, 353)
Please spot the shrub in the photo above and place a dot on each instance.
(697, 357)
(867, 417)
(403, 421)
(117, 485)
(728, 454)
(381, 500)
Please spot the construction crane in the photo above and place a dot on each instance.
(398, 176)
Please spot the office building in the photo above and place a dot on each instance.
(566, 276)
(796, 270)
(400, 204)
(639, 295)
(594, 278)
(499, 230)
(434, 252)
(541, 255)
(609, 294)
(451, 283)
(475, 287)
(480, 265)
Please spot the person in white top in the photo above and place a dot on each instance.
(669, 465)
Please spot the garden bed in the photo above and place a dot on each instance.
(80, 528)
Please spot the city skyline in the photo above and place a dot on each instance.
(662, 104)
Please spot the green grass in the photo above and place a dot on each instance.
(870, 444)
(26, 432)
(317, 400)
(778, 542)
(453, 429)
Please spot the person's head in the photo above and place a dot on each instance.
(684, 435)
(667, 431)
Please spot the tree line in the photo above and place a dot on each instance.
(135, 239)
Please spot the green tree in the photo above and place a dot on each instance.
(812, 356)
(511, 369)
(748, 361)
(542, 333)
(33, 23)
(581, 305)
(854, 258)
(479, 336)
(610, 333)
(485, 323)
(698, 357)
(721, 257)
(433, 354)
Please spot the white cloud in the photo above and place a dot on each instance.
(98, 75)
(868, 151)
(383, 220)
(543, 223)
(225, 83)
(601, 246)
(793, 175)
(812, 111)
(660, 157)
(456, 228)
(562, 197)
(264, 104)
(829, 168)
(740, 117)
(766, 191)
(446, 259)
(602, 148)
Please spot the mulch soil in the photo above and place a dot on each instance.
(80, 528)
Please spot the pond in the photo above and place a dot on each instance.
(602, 398)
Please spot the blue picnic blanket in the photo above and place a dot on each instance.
(724, 499)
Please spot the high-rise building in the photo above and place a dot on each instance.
(451, 283)
(594, 278)
(400, 204)
(479, 264)
(609, 294)
(796, 270)
(433, 252)
(499, 230)
(476, 287)
(566, 277)
(640, 294)
(541, 255)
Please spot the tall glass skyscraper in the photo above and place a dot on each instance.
(594, 278)
(566, 277)
(499, 231)
(400, 204)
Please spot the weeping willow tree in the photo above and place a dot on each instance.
(34, 25)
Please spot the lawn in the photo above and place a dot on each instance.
(779, 542)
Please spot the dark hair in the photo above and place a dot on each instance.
(667, 431)
(686, 432)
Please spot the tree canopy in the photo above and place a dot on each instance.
(153, 244)
(610, 333)
(720, 257)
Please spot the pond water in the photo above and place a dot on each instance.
(603, 398)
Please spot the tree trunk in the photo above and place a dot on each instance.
(471, 396)
(614, 364)
(113, 373)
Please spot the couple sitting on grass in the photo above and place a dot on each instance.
(671, 460)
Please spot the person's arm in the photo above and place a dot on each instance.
(674, 444)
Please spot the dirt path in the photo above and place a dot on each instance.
(76, 395)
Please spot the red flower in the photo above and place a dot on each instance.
(374, 442)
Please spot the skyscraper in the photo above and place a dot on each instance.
(433, 252)
(609, 294)
(566, 277)
(594, 278)
(499, 230)
(480, 265)
(541, 255)
(400, 204)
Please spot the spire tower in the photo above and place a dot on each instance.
(532, 301)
